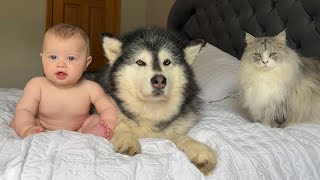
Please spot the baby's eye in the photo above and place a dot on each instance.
(141, 63)
(71, 58)
(272, 54)
(257, 55)
(166, 62)
(53, 57)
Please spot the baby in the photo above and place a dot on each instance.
(61, 99)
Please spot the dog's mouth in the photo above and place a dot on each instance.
(157, 92)
(154, 95)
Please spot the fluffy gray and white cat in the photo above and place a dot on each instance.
(277, 86)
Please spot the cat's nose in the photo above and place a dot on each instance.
(265, 62)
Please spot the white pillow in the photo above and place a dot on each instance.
(216, 72)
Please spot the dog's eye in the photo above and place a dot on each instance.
(141, 63)
(257, 55)
(166, 62)
(272, 55)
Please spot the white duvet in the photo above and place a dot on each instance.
(245, 151)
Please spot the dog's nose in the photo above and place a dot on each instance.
(158, 81)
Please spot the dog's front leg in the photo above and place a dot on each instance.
(201, 155)
(124, 141)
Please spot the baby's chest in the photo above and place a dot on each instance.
(64, 105)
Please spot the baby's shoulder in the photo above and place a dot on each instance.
(35, 84)
(91, 84)
(37, 80)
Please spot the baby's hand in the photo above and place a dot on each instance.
(32, 130)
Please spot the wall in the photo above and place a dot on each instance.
(21, 32)
(23, 25)
(135, 13)
(157, 12)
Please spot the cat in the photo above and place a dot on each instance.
(278, 88)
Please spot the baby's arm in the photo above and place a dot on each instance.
(104, 105)
(26, 109)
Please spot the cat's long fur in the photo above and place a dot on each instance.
(277, 86)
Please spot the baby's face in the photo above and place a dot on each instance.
(64, 60)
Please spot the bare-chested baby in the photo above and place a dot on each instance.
(62, 99)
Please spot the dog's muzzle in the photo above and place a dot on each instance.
(158, 82)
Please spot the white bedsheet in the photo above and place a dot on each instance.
(245, 151)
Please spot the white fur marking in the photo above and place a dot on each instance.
(191, 52)
(112, 48)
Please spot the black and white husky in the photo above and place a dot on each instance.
(150, 78)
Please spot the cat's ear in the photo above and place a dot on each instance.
(281, 36)
(250, 38)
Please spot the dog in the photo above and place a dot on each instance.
(150, 78)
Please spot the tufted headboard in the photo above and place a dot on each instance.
(223, 23)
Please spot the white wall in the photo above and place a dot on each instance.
(21, 31)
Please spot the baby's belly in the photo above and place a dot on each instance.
(70, 123)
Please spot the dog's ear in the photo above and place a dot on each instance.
(192, 50)
(111, 46)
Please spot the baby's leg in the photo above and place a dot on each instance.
(94, 125)
(32, 130)
(36, 129)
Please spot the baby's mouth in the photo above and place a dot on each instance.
(61, 75)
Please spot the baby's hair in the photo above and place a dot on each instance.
(66, 31)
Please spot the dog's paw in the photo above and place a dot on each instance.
(200, 155)
(126, 144)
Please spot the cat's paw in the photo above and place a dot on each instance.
(274, 124)
(268, 123)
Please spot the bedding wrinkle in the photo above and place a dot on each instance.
(307, 143)
(231, 154)
(267, 148)
(246, 151)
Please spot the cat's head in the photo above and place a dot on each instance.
(267, 52)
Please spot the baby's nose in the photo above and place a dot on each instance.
(61, 64)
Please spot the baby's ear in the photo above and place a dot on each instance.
(111, 46)
(89, 60)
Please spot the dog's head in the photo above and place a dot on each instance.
(151, 65)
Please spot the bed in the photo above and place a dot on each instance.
(246, 151)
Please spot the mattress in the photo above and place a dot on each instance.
(245, 151)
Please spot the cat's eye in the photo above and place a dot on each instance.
(272, 54)
(257, 55)
(166, 62)
(141, 63)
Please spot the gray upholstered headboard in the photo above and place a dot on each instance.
(223, 22)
